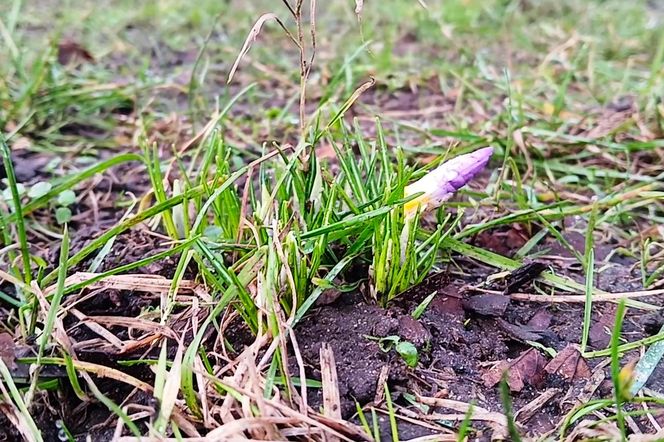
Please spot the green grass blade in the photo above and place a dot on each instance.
(18, 401)
(422, 306)
(588, 305)
(507, 405)
(17, 209)
(466, 425)
(391, 414)
(618, 382)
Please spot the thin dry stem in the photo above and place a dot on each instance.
(303, 68)
(253, 34)
(328, 371)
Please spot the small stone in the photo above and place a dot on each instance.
(386, 327)
(412, 331)
(487, 304)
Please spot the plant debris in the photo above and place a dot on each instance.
(522, 371)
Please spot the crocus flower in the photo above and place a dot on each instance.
(441, 183)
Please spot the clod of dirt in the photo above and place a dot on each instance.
(27, 165)
(652, 322)
(388, 326)
(328, 297)
(8, 431)
(487, 304)
(447, 305)
(524, 370)
(406, 430)
(411, 330)
(72, 52)
(541, 320)
(128, 247)
(621, 277)
(504, 241)
(622, 103)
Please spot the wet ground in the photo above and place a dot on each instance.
(465, 339)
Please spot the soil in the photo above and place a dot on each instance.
(457, 348)
(461, 337)
(464, 337)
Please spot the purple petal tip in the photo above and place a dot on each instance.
(439, 184)
(468, 165)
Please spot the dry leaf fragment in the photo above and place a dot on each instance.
(522, 371)
(569, 364)
(253, 34)
(331, 398)
(8, 350)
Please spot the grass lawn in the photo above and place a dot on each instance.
(360, 221)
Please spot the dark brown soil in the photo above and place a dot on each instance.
(460, 338)
(457, 348)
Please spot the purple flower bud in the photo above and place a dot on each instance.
(441, 183)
